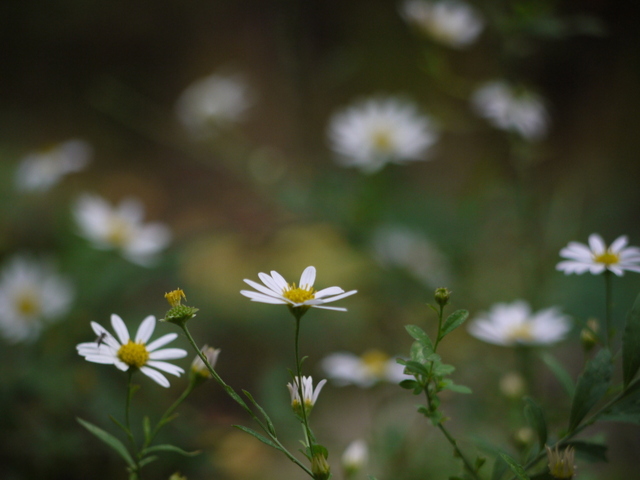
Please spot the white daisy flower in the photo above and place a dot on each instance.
(199, 368)
(125, 353)
(400, 247)
(39, 171)
(121, 228)
(597, 257)
(509, 109)
(377, 131)
(511, 324)
(31, 294)
(309, 395)
(355, 457)
(277, 291)
(364, 371)
(212, 102)
(451, 22)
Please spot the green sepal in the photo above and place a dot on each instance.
(420, 335)
(452, 322)
(591, 387)
(631, 344)
(180, 315)
(262, 438)
(515, 467)
(270, 426)
(110, 440)
(535, 416)
(169, 448)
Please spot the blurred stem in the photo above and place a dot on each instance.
(608, 295)
(523, 359)
(310, 441)
(135, 474)
(164, 419)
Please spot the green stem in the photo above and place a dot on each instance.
(608, 307)
(168, 413)
(135, 474)
(305, 420)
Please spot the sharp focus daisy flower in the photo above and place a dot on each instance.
(511, 324)
(278, 291)
(31, 295)
(39, 171)
(213, 102)
(126, 353)
(597, 257)
(121, 228)
(512, 109)
(364, 371)
(377, 131)
(309, 395)
(451, 22)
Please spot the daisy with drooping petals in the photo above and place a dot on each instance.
(377, 131)
(511, 324)
(125, 353)
(597, 257)
(121, 228)
(277, 291)
(364, 371)
(31, 295)
(309, 395)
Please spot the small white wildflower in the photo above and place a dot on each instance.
(41, 170)
(355, 457)
(309, 395)
(598, 257)
(373, 132)
(31, 295)
(511, 324)
(511, 109)
(451, 22)
(199, 368)
(344, 368)
(121, 228)
(125, 353)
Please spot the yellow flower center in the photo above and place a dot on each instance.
(382, 140)
(521, 333)
(297, 294)
(175, 297)
(118, 232)
(375, 362)
(133, 354)
(608, 258)
(28, 303)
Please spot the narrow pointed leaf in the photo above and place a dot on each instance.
(110, 440)
(169, 448)
(148, 460)
(631, 344)
(262, 438)
(515, 467)
(560, 373)
(535, 416)
(452, 322)
(146, 428)
(270, 426)
(124, 429)
(591, 387)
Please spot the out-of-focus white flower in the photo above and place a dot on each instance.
(373, 366)
(199, 368)
(377, 131)
(41, 170)
(277, 291)
(403, 248)
(511, 324)
(31, 295)
(309, 395)
(561, 464)
(355, 457)
(121, 228)
(597, 257)
(511, 109)
(451, 22)
(125, 353)
(213, 102)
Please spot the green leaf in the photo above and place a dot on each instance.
(148, 460)
(415, 368)
(271, 428)
(146, 428)
(592, 386)
(420, 335)
(262, 438)
(560, 373)
(124, 429)
(631, 344)
(499, 468)
(593, 452)
(169, 448)
(443, 369)
(419, 352)
(535, 416)
(452, 322)
(409, 384)
(110, 440)
(515, 467)
(626, 408)
(454, 387)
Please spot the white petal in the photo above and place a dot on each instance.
(169, 337)
(155, 376)
(596, 243)
(100, 359)
(262, 288)
(168, 354)
(337, 309)
(145, 330)
(120, 328)
(338, 297)
(259, 297)
(618, 244)
(279, 280)
(328, 291)
(166, 367)
(271, 283)
(307, 278)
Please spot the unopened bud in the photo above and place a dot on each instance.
(442, 296)
(319, 467)
(589, 334)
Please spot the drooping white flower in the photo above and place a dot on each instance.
(597, 257)
(511, 109)
(373, 132)
(511, 324)
(355, 457)
(121, 228)
(400, 247)
(277, 291)
(451, 22)
(125, 352)
(199, 368)
(41, 170)
(31, 295)
(344, 368)
(309, 395)
(213, 102)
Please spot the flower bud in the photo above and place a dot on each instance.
(512, 385)
(589, 334)
(354, 457)
(178, 313)
(442, 296)
(319, 467)
(199, 371)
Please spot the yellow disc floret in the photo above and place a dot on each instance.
(175, 297)
(133, 354)
(375, 362)
(28, 303)
(521, 333)
(607, 258)
(119, 232)
(297, 294)
(382, 140)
